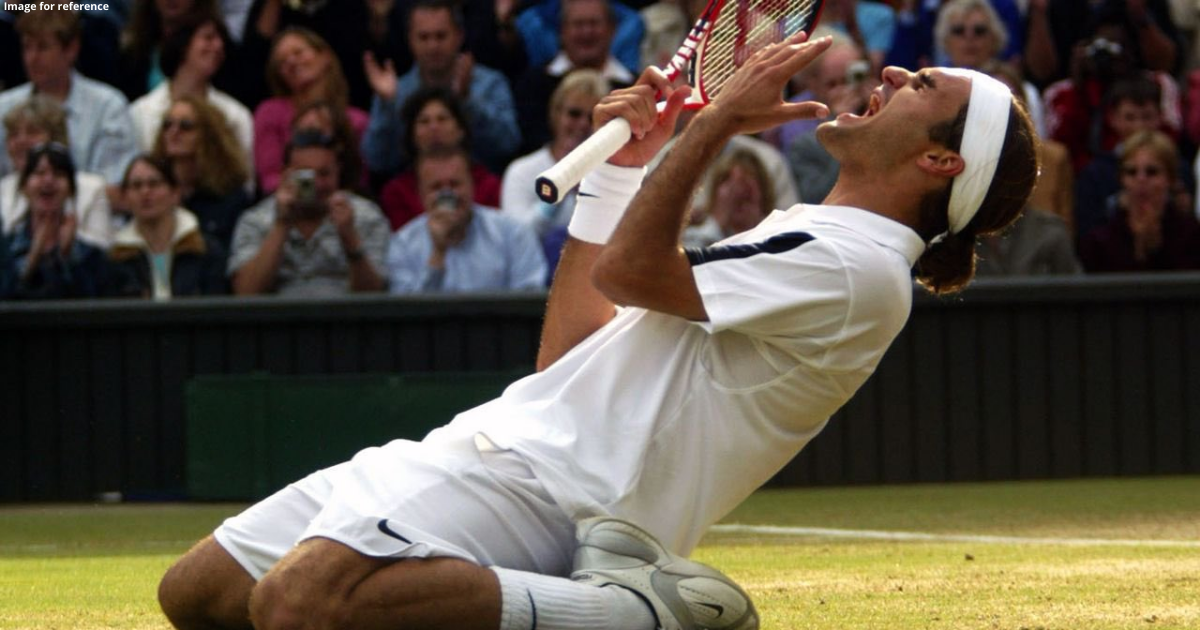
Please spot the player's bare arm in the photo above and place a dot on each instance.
(576, 308)
(644, 265)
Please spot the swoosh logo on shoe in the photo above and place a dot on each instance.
(720, 609)
(383, 527)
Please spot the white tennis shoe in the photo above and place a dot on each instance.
(685, 595)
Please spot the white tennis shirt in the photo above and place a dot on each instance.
(672, 423)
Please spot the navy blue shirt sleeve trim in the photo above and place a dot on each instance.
(775, 245)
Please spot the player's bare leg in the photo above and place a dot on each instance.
(325, 584)
(207, 590)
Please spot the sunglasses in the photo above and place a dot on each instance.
(50, 147)
(184, 124)
(1148, 171)
(979, 30)
(576, 112)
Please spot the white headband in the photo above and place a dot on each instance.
(983, 137)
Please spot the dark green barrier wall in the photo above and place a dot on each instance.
(1051, 378)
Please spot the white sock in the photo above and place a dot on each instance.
(541, 602)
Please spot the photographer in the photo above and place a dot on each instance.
(309, 238)
(457, 245)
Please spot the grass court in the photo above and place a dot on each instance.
(1103, 554)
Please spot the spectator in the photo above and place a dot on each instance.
(459, 246)
(586, 29)
(740, 195)
(309, 238)
(913, 44)
(102, 139)
(152, 23)
(190, 59)
(539, 23)
(435, 38)
(1145, 231)
(36, 121)
(332, 121)
(1057, 28)
(207, 167)
(1074, 107)
(433, 118)
(303, 69)
(1131, 105)
(972, 34)
(50, 262)
(162, 253)
(1036, 244)
(570, 124)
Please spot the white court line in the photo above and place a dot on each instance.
(868, 534)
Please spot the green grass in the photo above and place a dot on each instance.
(86, 567)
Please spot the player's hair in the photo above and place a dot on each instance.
(175, 47)
(65, 26)
(417, 102)
(221, 161)
(955, 10)
(451, 6)
(948, 264)
(747, 160)
(1159, 145)
(42, 112)
(335, 89)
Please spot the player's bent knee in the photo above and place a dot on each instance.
(205, 587)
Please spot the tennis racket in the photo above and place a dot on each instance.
(727, 33)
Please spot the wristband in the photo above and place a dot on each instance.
(603, 197)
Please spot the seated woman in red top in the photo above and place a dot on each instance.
(432, 117)
(302, 69)
(1147, 229)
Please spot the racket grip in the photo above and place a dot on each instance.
(554, 183)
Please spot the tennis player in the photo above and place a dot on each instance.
(672, 383)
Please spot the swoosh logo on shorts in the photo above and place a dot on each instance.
(383, 527)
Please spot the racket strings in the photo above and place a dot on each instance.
(747, 26)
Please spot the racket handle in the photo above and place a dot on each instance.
(554, 183)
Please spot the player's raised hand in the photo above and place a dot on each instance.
(638, 105)
(752, 99)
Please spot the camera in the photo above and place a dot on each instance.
(305, 182)
(857, 71)
(1101, 47)
(445, 201)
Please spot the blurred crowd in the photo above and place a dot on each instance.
(167, 148)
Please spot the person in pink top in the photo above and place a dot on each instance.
(302, 69)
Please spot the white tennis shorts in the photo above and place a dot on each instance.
(413, 500)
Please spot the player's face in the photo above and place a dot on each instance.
(434, 40)
(895, 127)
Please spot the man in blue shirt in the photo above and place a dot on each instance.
(435, 37)
(458, 246)
(98, 123)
